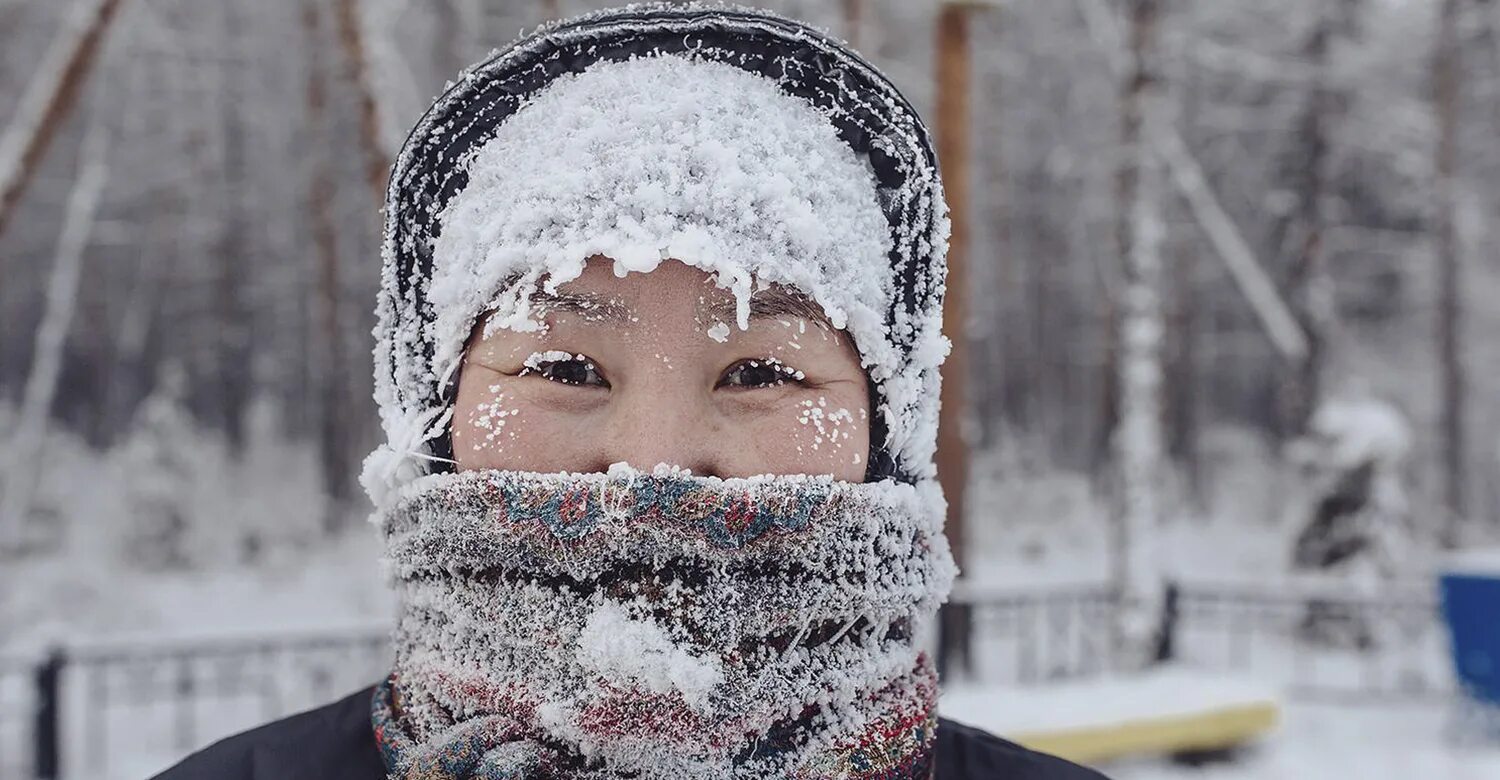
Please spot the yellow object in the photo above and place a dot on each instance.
(1212, 729)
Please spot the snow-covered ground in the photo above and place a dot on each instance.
(1332, 742)
(1385, 741)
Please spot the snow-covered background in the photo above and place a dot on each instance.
(188, 277)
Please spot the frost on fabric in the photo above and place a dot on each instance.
(626, 651)
(661, 623)
(750, 146)
(655, 158)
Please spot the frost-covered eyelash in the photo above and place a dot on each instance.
(535, 360)
(539, 362)
(784, 372)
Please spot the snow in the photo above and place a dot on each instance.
(1362, 428)
(1474, 563)
(535, 360)
(621, 649)
(245, 559)
(1318, 741)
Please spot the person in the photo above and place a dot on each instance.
(657, 365)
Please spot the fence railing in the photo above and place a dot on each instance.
(1034, 636)
(1314, 643)
(1319, 644)
(18, 717)
(86, 706)
(75, 710)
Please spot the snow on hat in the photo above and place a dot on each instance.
(734, 140)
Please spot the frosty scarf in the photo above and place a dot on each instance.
(661, 626)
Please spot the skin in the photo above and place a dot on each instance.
(665, 377)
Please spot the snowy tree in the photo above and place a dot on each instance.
(157, 458)
(23, 458)
(1360, 527)
(1139, 438)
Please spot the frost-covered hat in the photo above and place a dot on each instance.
(746, 144)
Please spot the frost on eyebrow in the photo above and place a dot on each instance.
(766, 303)
(588, 306)
(541, 302)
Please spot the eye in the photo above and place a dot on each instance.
(759, 372)
(564, 368)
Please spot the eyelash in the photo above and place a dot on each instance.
(784, 373)
(547, 369)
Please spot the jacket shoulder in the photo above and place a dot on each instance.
(332, 742)
(968, 753)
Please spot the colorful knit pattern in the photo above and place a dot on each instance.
(564, 508)
(471, 751)
(730, 518)
(895, 748)
(593, 627)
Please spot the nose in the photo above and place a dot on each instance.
(663, 422)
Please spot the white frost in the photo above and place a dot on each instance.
(655, 158)
(623, 650)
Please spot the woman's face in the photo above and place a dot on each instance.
(651, 369)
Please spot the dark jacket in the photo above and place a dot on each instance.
(337, 742)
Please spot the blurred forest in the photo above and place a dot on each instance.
(189, 227)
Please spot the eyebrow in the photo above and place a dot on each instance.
(769, 302)
(589, 307)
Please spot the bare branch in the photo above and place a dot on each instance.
(1255, 284)
(49, 97)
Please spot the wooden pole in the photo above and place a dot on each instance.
(351, 37)
(1451, 375)
(330, 369)
(854, 13)
(953, 90)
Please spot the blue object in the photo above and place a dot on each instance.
(1471, 605)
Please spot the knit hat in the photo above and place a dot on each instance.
(749, 145)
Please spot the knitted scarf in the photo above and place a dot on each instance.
(660, 625)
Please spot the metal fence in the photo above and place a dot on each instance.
(78, 709)
(81, 708)
(1314, 643)
(1034, 636)
(1318, 644)
(17, 717)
